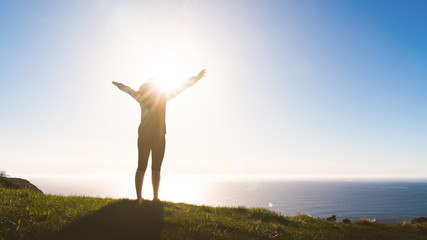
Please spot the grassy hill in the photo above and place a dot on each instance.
(30, 215)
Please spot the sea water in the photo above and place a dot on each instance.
(387, 201)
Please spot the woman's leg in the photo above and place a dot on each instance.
(143, 154)
(158, 152)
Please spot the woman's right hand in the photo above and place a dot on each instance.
(119, 85)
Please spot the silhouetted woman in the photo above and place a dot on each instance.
(152, 130)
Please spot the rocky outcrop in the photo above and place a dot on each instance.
(18, 183)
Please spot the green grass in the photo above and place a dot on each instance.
(28, 215)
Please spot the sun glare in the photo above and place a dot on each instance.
(173, 188)
(170, 69)
(159, 47)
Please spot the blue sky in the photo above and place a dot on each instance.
(293, 88)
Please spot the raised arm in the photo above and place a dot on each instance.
(187, 83)
(128, 90)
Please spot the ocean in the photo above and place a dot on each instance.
(387, 201)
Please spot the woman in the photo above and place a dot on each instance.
(152, 130)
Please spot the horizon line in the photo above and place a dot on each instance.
(239, 176)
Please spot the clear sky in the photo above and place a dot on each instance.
(293, 88)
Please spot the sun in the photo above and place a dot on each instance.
(169, 70)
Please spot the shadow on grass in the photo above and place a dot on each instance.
(124, 219)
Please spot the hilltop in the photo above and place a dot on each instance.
(18, 183)
(30, 215)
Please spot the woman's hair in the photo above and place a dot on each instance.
(149, 86)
